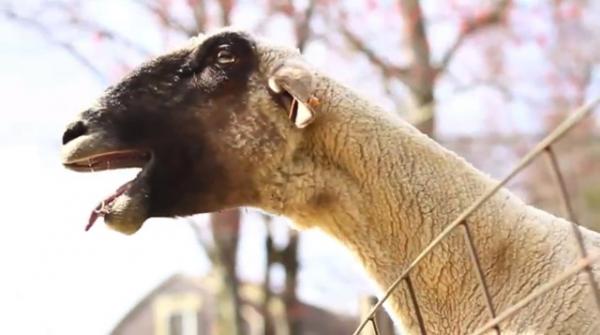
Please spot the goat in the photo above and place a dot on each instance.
(232, 120)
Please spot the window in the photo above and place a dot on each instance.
(179, 314)
(183, 323)
(176, 324)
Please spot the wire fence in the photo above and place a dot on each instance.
(587, 257)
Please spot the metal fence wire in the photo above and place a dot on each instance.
(587, 257)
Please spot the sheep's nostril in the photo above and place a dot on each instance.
(73, 131)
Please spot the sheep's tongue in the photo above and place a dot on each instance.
(104, 207)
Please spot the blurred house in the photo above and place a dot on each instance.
(184, 305)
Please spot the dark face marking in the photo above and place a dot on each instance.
(175, 107)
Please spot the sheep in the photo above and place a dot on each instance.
(232, 120)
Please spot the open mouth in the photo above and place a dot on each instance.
(110, 161)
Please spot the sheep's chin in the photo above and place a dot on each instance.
(127, 212)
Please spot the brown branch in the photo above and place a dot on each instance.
(301, 20)
(166, 19)
(303, 31)
(199, 11)
(118, 38)
(269, 327)
(414, 23)
(226, 7)
(93, 27)
(65, 46)
(472, 26)
(203, 241)
(496, 85)
(225, 227)
(388, 70)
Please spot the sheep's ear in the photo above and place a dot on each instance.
(295, 79)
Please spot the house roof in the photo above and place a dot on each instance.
(146, 300)
(315, 317)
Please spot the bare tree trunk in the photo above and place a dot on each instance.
(226, 229)
(289, 260)
(424, 117)
(287, 257)
(269, 326)
(420, 76)
(422, 71)
(226, 224)
(226, 7)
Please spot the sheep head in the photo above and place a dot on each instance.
(202, 122)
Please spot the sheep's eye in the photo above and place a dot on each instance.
(225, 57)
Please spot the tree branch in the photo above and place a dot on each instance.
(303, 31)
(414, 22)
(472, 26)
(199, 11)
(226, 7)
(93, 27)
(388, 70)
(166, 19)
(118, 38)
(66, 46)
(203, 241)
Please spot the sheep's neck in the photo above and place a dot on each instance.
(393, 191)
(392, 182)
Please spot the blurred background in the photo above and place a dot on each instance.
(485, 78)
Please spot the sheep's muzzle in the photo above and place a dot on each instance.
(124, 209)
